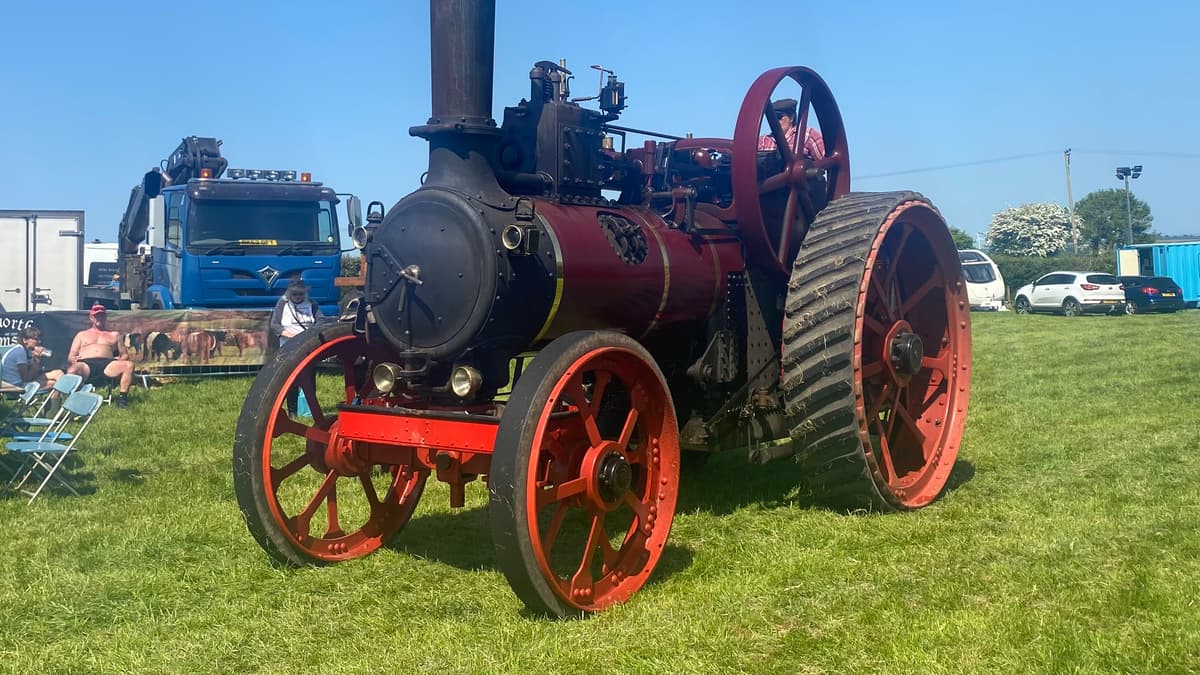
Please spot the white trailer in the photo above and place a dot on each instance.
(41, 260)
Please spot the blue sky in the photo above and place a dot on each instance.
(95, 94)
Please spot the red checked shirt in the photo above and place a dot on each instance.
(814, 145)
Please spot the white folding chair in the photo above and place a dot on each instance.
(77, 411)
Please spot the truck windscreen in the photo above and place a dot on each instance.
(235, 224)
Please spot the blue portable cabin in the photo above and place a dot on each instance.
(1178, 260)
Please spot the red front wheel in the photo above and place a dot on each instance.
(306, 495)
(585, 475)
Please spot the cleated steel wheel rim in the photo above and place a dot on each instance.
(914, 354)
(877, 353)
(585, 475)
(306, 494)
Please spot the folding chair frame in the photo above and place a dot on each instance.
(79, 405)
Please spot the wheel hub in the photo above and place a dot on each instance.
(905, 352)
(614, 477)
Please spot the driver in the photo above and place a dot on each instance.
(785, 111)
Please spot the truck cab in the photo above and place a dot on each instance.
(234, 243)
(196, 236)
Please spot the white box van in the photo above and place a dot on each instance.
(985, 285)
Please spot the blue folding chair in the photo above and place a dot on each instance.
(78, 410)
(65, 386)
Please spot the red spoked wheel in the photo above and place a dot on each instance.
(308, 496)
(778, 193)
(877, 352)
(585, 475)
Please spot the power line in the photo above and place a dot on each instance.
(1140, 153)
(959, 165)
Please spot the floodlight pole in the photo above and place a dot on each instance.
(1125, 173)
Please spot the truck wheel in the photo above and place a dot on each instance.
(585, 475)
(877, 352)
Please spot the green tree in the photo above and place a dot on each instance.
(1103, 216)
(1029, 229)
(961, 238)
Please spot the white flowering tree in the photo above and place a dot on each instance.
(1030, 230)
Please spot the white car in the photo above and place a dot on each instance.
(1071, 293)
(985, 284)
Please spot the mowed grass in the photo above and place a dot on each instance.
(1069, 542)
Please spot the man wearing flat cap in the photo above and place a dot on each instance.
(98, 353)
(785, 111)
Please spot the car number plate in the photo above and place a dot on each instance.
(1109, 302)
(1168, 295)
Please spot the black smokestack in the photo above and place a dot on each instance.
(462, 135)
(462, 38)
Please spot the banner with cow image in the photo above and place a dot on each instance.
(158, 340)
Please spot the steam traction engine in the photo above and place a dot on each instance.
(520, 326)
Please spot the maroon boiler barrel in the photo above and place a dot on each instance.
(681, 279)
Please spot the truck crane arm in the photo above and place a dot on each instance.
(188, 161)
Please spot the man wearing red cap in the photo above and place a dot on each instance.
(98, 352)
(785, 111)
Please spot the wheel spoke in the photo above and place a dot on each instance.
(939, 363)
(874, 325)
(627, 430)
(896, 256)
(802, 119)
(603, 377)
(586, 414)
(301, 520)
(639, 507)
(884, 299)
(872, 370)
(785, 228)
(317, 435)
(309, 388)
(884, 395)
(885, 451)
(368, 487)
(582, 579)
(775, 182)
(287, 470)
(287, 425)
(333, 527)
(932, 283)
(561, 492)
(911, 425)
(553, 528)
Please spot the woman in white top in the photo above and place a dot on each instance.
(294, 312)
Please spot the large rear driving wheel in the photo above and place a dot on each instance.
(877, 352)
(585, 475)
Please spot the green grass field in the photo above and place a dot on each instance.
(1069, 542)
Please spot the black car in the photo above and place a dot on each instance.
(1151, 294)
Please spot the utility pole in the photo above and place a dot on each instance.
(1071, 201)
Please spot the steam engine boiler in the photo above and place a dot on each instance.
(566, 314)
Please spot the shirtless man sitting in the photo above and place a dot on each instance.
(98, 352)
